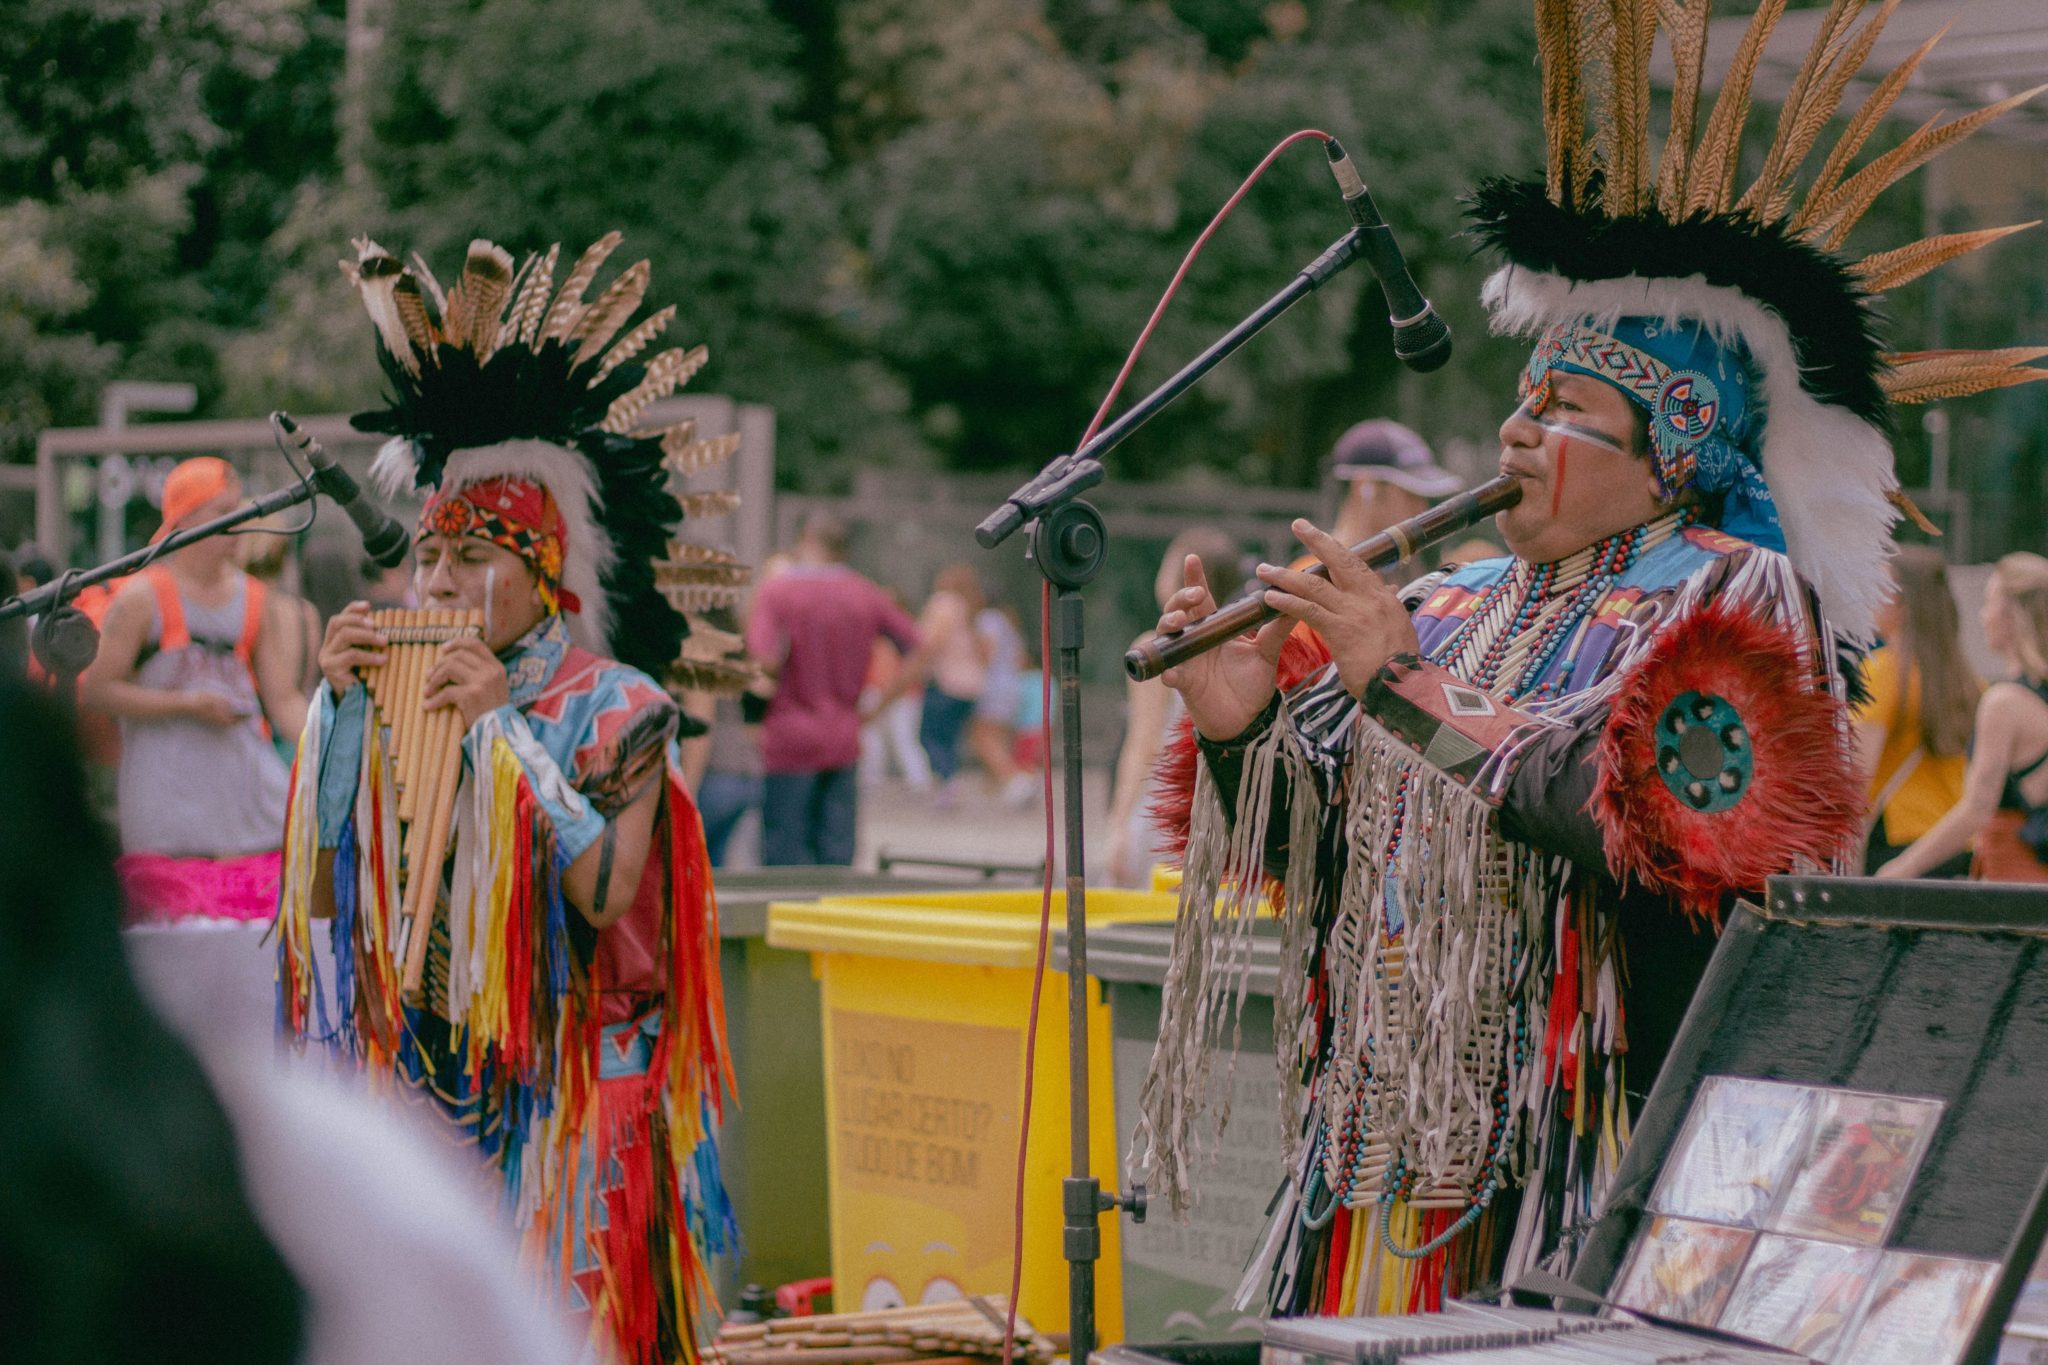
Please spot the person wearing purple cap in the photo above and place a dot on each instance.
(1389, 474)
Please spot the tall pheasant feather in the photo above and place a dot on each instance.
(1710, 180)
(1890, 269)
(1928, 376)
(1861, 125)
(1687, 26)
(1845, 208)
(1816, 112)
(1828, 39)
(1564, 107)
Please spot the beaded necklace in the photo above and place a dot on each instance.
(1524, 619)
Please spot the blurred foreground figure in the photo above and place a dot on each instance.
(569, 1015)
(124, 1230)
(1506, 825)
(154, 1210)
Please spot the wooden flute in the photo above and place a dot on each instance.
(1391, 546)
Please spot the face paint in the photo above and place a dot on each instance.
(1558, 425)
(1532, 409)
(490, 597)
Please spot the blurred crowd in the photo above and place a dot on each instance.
(857, 691)
(193, 704)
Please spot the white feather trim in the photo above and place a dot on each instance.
(396, 468)
(1828, 469)
(567, 475)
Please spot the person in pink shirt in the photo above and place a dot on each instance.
(814, 627)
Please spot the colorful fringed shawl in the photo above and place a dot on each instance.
(589, 1064)
(1462, 865)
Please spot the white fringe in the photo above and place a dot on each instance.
(1427, 1035)
(1206, 974)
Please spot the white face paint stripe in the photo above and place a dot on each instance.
(490, 596)
(1571, 430)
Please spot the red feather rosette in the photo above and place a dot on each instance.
(1723, 763)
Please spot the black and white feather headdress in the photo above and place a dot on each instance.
(504, 375)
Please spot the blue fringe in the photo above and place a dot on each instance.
(342, 934)
(707, 1207)
(557, 940)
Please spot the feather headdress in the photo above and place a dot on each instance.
(504, 375)
(1615, 233)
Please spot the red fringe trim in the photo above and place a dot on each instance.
(1803, 803)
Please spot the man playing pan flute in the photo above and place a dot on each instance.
(1494, 812)
(568, 1011)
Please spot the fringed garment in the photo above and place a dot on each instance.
(1499, 872)
(589, 1064)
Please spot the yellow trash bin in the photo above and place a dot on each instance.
(925, 1001)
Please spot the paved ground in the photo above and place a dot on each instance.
(974, 826)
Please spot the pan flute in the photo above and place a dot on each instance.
(425, 748)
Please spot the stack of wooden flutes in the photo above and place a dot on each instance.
(959, 1332)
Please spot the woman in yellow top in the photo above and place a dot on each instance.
(1913, 734)
(2005, 793)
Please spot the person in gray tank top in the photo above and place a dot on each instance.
(194, 668)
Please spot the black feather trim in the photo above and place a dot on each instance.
(1831, 320)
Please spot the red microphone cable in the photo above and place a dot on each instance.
(1045, 700)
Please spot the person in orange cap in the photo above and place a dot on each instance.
(198, 674)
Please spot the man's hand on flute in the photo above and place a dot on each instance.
(1356, 613)
(1226, 688)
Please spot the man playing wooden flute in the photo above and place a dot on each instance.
(569, 1011)
(1506, 824)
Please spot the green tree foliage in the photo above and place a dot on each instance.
(148, 150)
(925, 231)
(1028, 178)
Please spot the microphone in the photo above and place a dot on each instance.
(1421, 340)
(384, 540)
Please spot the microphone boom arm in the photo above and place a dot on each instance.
(1067, 475)
(67, 585)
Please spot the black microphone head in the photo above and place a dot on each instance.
(1423, 343)
(386, 545)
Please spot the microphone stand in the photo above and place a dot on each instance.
(65, 641)
(1069, 544)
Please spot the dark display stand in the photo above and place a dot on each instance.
(1908, 988)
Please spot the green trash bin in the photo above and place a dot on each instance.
(1179, 1276)
(772, 1143)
